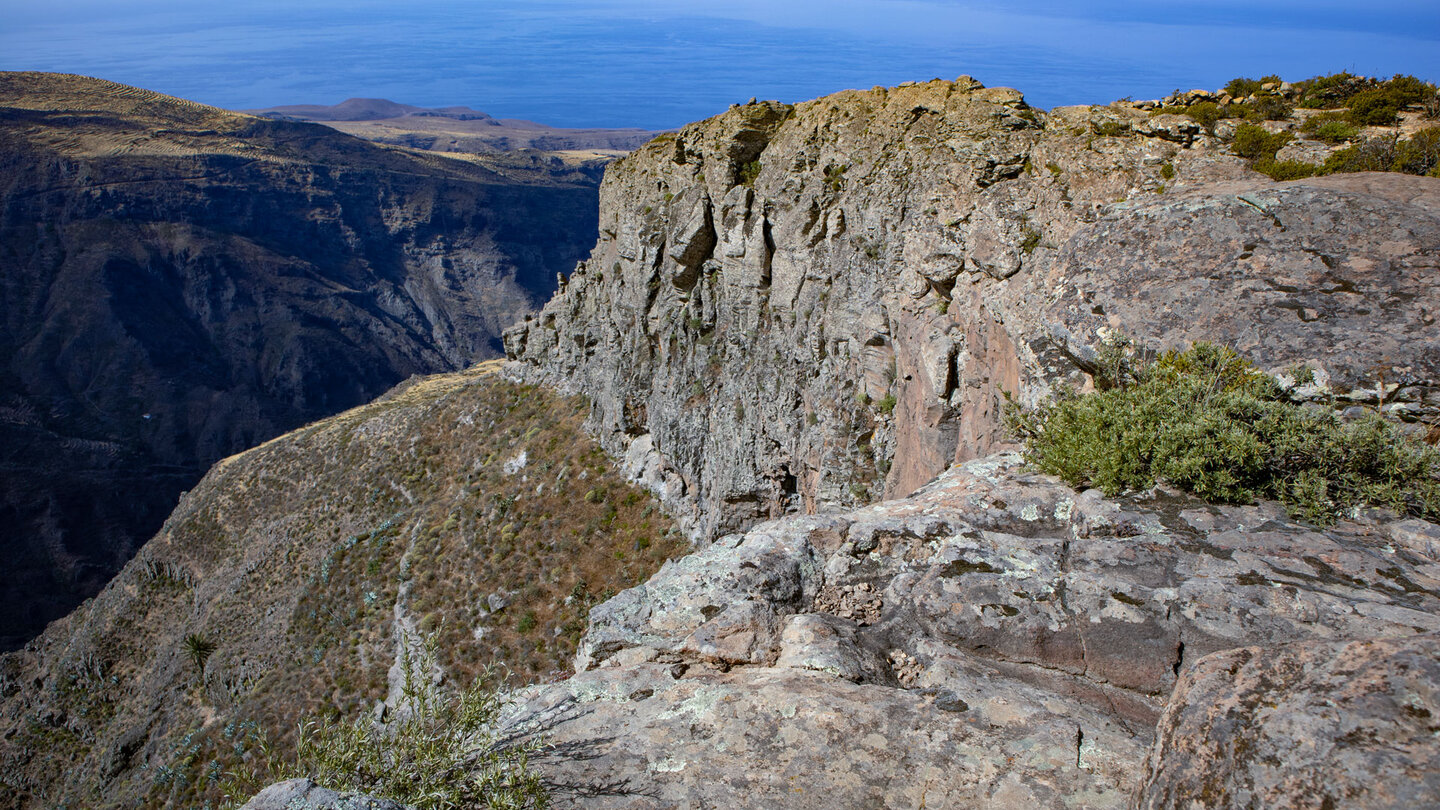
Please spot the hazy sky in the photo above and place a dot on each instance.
(661, 64)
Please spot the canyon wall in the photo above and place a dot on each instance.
(824, 304)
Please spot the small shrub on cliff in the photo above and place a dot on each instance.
(440, 752)
(1207, 421)
(1207, 114)
(1255, 143)
(1330, 127)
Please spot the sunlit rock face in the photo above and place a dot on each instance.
(793, 307)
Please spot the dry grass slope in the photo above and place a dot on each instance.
(302, 561)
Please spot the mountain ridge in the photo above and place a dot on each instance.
(183, 281)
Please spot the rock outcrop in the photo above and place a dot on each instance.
(793, 307)
(181, 283)
(1000, 640)
(1307, 724)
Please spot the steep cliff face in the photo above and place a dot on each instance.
(181, 283)
(792, 307)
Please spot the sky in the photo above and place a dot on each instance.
(662, 64)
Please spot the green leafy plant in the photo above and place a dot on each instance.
(748, 172)
(1207, 421)
(198, 649)
(441, 752)
(1254, 142)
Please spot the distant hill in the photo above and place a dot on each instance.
(181, 283)
(453, 129)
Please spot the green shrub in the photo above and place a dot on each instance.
(886, 404)
(1110, 129)
(1270, 108)
(1370, 155)
(1330, 127)
(748, 172)
(440, 752)
(1286, 169)
(1334, 90)
(1373, 108)
(198, 649)
(1207, 421)
(1255, 143)
(1030, 239)
(1241, 87)
(1206, 114)
(1420, 154)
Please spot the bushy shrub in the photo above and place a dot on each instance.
(1241, 87)
(1420, 154)
(1269, 108)
(1377, 108)
(1206, 114)
(1286, 169)
(1334, 90)
(1330, 127)
(1255, 143)
(1207, 421)
(439, 753)
(1370, 155)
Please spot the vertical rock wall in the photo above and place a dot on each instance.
(791, 307)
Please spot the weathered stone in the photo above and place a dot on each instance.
(1036, 630)
(1303, 725)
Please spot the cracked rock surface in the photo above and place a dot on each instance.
(1018, 644)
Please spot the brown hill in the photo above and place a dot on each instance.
(460, 504)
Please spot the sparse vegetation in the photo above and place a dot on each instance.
(198, 649)
(747, 173)
(1417, 155)
(1030, 239)
(420, 489)
(1207, 421)
(439, 753)
(1110, 128)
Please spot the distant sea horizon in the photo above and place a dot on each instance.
(627, 63)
